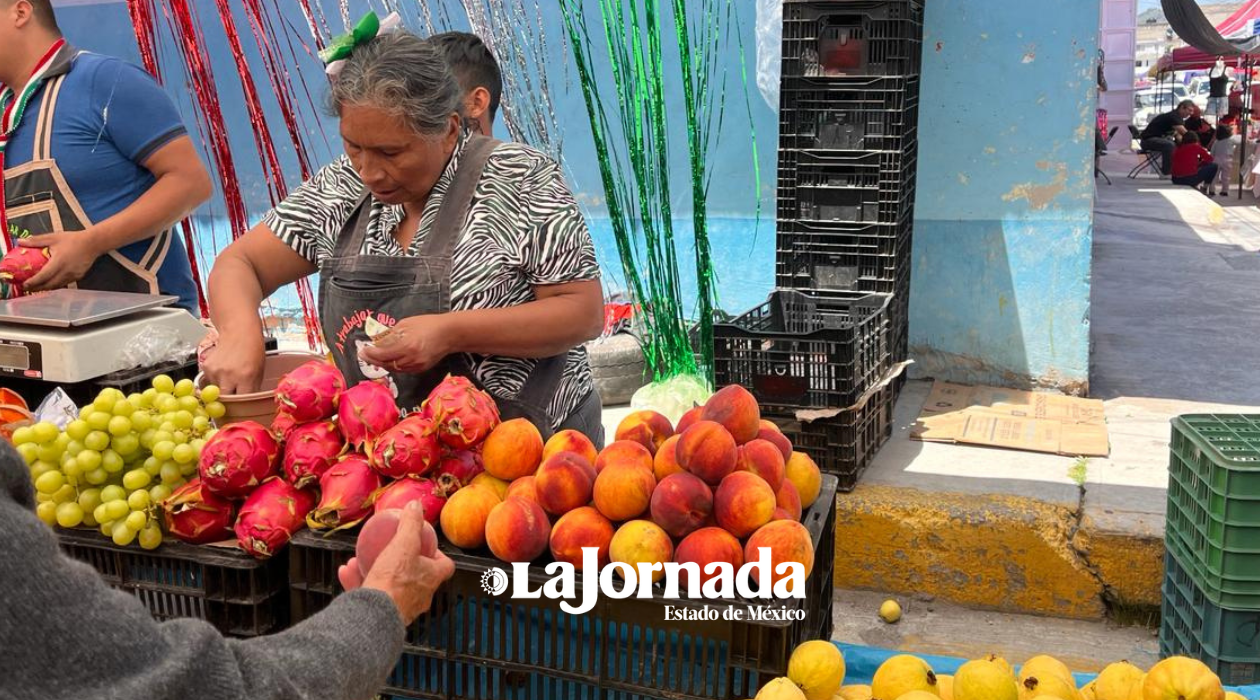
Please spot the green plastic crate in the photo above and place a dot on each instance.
(1223, 591)
(1228, 641)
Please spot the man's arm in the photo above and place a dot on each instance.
(182, 184)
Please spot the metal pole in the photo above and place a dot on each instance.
(1245, 120)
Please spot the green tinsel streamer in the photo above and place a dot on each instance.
(634, 168)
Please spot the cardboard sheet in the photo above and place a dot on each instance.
(1020, 420)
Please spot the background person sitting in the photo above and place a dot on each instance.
(1160, 135)
(1192, 164)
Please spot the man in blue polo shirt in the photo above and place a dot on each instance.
(97, 165)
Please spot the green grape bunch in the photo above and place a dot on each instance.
(112, 467)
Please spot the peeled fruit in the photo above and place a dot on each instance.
(736, 409)
(890, 611)
(817, 667)
(902, 674)
(513, 449)
(582, 527)
(463, 414)
(641, 542)
(1115, 681)
(804, 474)
(1181, 678)
(984, 680)
(464, 517)
(570, 441)
(517, 530)
(780, 689)
(854, 692)
(648, 428)
(310, 392)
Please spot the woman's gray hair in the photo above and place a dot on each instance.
(403, 75)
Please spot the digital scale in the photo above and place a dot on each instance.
(73, 335)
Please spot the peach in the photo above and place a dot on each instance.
(581, 527)
(682, 504)
(512, 450)
(642, 542)
(803, 472)
(736, 409)
(648, 428)
(570, 441)
(522, 488)
(762, 458)
(498, 487)
(624, 452)
(624, 491)
(708, 451)
(780, 514)
(789, 499)
(666, 460)
(518, 530)
(787, 541)
(706, 546)
(564, 482)
(770, 431)
(743, 503)
(688, 419)
(464, 517)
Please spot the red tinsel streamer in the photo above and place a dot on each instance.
(310, 22)
(282, 88)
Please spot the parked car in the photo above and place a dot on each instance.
(1148, 103)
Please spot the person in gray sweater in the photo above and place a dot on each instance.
(65, 634)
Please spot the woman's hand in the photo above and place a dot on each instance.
(415, 344)
(234, 364)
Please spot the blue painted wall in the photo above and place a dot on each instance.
(1004, 211)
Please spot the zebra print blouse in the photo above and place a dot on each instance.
(524, 228)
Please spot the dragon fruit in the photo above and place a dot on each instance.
(310, 451)
(464, 414)
(270, 516)
(282, 425)
(195, 515)
(238, 458)
(21, 264)
(410, 448)
(310, 392)
(404, 491)
(457, 470)
(366, 411)
(347, 492)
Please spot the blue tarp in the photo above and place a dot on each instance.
(860, 663)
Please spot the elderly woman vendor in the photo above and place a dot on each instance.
(473, 252)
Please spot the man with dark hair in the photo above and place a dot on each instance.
(97, 165)
(1161, 134)
(478, 74)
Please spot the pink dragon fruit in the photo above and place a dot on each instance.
(464, 414)
(238, 458)
(310, 451)
(270, 516)
(310, 392)
(404, 491)
(21, 264)
(282, 425)
(193, 514)
(347, 492)
(457, 470)
(366, 411)
(410, 448)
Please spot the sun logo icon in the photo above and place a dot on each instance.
(494, 581)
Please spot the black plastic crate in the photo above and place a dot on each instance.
(860, 114)
(825, 187)
(844, 258)
(1191, 625)
(845, 39)
(238, 594)
(845, 444)
(802, 350)
(473, 645)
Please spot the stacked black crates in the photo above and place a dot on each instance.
(848, 150)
